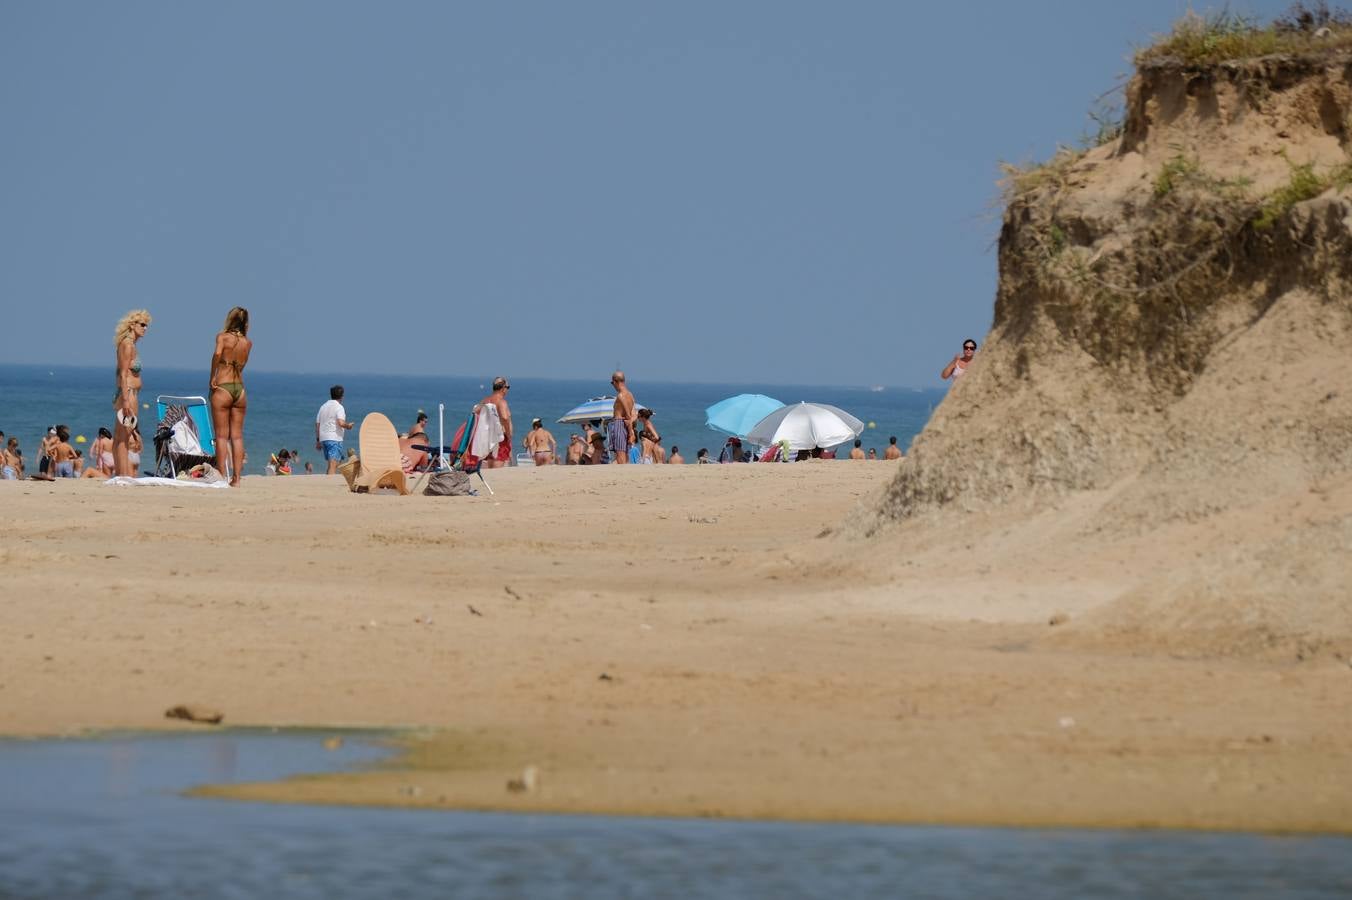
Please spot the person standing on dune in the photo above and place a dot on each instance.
(229, 402)
(958, 366)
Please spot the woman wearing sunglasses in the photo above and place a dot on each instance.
(960, 362)
(130, 329)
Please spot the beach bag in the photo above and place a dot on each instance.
(448, 484)
(349, 472)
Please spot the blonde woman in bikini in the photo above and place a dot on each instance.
(228, 399)
(130, 329)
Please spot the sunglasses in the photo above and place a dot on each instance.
(969, 346)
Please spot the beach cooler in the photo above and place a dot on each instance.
(183, 436)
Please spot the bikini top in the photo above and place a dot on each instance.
(135, 367)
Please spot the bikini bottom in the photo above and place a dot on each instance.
(233, 388)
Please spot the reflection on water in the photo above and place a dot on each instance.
(102, 818)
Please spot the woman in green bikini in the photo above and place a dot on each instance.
(228, 399)
(130, 329)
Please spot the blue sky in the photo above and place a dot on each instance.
(707, 191)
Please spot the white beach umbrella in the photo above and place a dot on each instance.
(805, 426)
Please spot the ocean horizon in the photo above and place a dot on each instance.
(282, 405)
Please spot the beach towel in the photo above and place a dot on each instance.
(149, 481)
(488, 433)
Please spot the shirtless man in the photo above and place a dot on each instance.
(893, 451)
(539, 443)
(576, 450)
(675, 459)
(620, 434)
(498, 398)
(858, 451)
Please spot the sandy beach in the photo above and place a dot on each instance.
(703, 641)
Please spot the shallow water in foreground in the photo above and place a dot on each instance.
(103, 818)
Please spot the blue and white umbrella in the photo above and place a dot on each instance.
(738, 415)
(593, 409)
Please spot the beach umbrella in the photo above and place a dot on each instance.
(805, 426)
(595, 408)
(738, 415)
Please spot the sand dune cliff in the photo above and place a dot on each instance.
(1168, 365)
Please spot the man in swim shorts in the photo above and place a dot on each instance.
(503, 455)
(620, 433)
(330, 424)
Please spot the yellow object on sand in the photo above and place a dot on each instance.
(380, 462)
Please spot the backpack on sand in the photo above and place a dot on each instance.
(448, 484)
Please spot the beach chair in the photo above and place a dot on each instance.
(183, 434)
(455, 454)
(380, 465)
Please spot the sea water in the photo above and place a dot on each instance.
(282, 407)
(105, 818)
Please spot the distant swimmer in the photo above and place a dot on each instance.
(126, 399)
(229, 402)
(958, 366)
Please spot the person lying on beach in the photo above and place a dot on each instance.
(412, 459)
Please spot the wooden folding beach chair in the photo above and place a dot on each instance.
(380, 462)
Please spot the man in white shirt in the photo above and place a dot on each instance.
(329, 427)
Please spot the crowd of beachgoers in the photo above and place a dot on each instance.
(627, 435)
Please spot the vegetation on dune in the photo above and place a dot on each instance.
(1305, 184)
(1225, 36)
